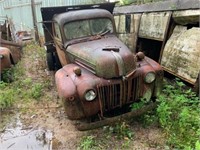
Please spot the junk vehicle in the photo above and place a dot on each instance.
(10, 54)
(99, 73)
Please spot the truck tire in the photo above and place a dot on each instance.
(57, 62)
(50, 61)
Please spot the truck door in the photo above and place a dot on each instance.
(59, 44)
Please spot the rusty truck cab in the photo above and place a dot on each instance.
(99, 73)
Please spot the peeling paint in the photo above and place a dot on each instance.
(154, 25)
(181, 55)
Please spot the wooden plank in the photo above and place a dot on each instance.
(154, 25)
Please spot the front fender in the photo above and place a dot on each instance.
(159, 76)
(68, 93)
(65, 86)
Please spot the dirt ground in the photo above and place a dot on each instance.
(48, 113)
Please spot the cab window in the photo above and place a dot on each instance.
(57, 31)
(84, 28)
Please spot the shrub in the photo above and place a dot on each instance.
(178, 114)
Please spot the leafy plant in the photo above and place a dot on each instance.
(87, 142)
(7, 75)
(137, 105)
(121, 131)
(178, 114)
(36, 91)
(26, 85)
(6, 95)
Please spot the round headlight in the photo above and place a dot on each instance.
(150, 77)
(90, 95)
(1, 56)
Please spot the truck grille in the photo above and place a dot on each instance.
(115, 95)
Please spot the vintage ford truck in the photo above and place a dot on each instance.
(99, 73)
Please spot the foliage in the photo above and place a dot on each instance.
(6, 95)
(87, 142)
(7, 75)
(120, 134)
(178, 114)
(23, 87)
(121, 131)
(36, 91)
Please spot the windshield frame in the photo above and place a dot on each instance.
(91, 31)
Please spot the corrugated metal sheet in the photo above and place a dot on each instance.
(20, 11)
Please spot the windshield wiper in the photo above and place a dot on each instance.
(105, 32)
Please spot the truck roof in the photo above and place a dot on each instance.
(49, 12)
(81, 14)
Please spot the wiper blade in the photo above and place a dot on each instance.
(105, 32)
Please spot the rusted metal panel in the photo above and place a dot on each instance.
(112, 93)
(14, 48)
(10, 52)
(128, 36)
(5, 61)
(97, 58)
(154, 25)
(181, 55)
(186, 17)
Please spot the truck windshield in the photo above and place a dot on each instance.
(84, 28)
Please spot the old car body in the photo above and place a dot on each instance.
(5, 58)
(10, 54)
(99, 73)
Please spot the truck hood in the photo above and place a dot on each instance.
(106, 57)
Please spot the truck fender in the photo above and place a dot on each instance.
(67, 92)
(65, 85)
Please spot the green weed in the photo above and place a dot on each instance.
(87, 142)
(137, 105)
(26, 85)
(6, 95)
(178, 114)
(121, 131)
(36, 91)
(7, 75)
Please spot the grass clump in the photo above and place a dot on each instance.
(26, 85)
(118, 136)
(121, 131)
(6, 95)
(87, 142)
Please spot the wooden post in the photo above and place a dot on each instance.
(37, 38)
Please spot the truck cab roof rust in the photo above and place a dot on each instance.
(100, 73)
